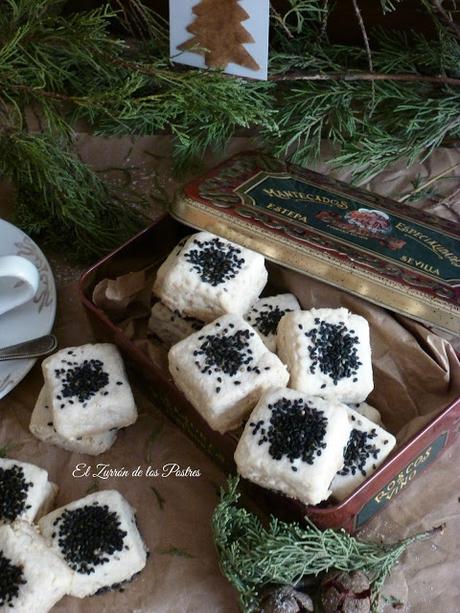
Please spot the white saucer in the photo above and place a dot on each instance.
(32, 319)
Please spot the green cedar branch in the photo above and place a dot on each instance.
(254, 556)
(364, 34)
(61, 200)
(445, 17)
(70, 68)
(366, 76)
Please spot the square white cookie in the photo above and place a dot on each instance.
(42, 427)
(32, 577)
(25, 492)
(88, 390)
(367, 447)
(328, 353)
(210, 276)
(368, 411)
(170, 326)
(224, 369)
(293, 443)
(170, 261)
(97, 537)
(265, 315)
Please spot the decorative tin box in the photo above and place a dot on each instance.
(388, 253)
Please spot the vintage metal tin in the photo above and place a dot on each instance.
(151, 247)
(388, 253)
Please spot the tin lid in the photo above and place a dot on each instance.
(389, 253)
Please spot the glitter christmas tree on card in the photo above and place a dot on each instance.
(231, 35)
(218, 34)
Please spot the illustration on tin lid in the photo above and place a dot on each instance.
(376, 222)
(368, 223)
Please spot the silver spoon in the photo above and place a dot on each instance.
(34, 348)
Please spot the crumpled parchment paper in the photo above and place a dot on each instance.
(182, 575)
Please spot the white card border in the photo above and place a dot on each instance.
(181, 15)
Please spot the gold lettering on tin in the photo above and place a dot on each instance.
(440, 250)
(420, 264)
(404, 477)
(305, 196)
(287, 212)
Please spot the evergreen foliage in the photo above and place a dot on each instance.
(396, 96)
(254, 556)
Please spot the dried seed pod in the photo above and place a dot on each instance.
(286, 600)
(343, 592)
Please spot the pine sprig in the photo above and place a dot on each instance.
(406, 107)
(201, 110)
(417, 125)
(253, 556)
(60, 199)
(399, 97)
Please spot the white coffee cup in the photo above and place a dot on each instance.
(19, 280)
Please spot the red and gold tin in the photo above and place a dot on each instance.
(385, 252)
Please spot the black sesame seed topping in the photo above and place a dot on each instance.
(11, 578)
(333, 350)
(358, 450)
(215, 261)
(84, 380)
(268, 319)
(225, 353)
(88, 536)
(295, 430)
(13, 492)
(195, 324)
(256, 426)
